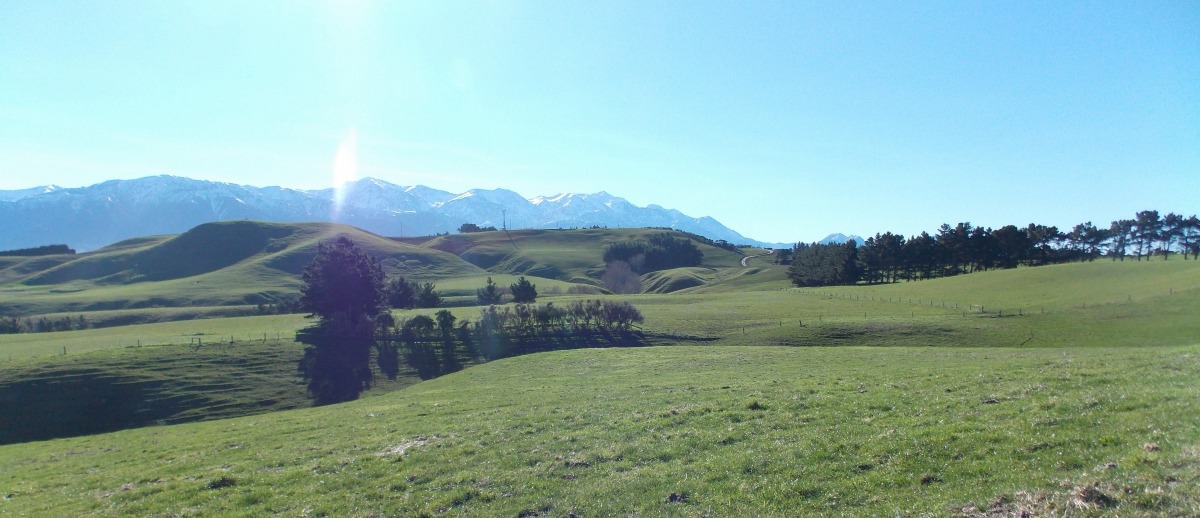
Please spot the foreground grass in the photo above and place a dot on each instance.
(688, 431)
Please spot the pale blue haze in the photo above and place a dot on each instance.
(784, 120)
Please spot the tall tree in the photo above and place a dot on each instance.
(343, 286)
(1012, 245)
(1189, 237)
(1147, 226)
(1042, 240)
(427, 296)
(1121, 233)
(402, 293)
(982, 247)
(489, 294)
(891, 253)
(1172, 229)
(1087, 240)
(523, 291)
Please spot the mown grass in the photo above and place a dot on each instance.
(679, 431)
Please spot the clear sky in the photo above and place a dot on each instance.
(784, 120)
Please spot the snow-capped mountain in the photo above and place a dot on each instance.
(90, 217)
(839, 238)
(25, 193)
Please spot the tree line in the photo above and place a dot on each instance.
(964, 248)
(39, 251)
(438, 345)
(345, 288)
(13, 325)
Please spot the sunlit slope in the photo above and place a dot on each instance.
(1050, 287)
(1080, 304)
(216, 264)
(676, 431)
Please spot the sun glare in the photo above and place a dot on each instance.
(345, 170)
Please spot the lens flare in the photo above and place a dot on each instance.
(345, 170)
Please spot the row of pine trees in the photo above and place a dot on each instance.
(964, 248)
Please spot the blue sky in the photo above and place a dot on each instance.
(784, 120)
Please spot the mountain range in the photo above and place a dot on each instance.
(90, 217)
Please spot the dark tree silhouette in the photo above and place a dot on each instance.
(523, 291)
(489, 294)
(824, 265)
(402, 293)
(428, 296)
(343, 286)
(1147, 226)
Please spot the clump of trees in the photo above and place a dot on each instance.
(489, 294)
(405, 294)
(13, 325)
(39, 251)
(523, 291)
(823, 265)
(658, 252)
(469, 228)
(964, 248)
(442, 344)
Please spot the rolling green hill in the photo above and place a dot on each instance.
(244, 263)
(567, 255)
(215, 264)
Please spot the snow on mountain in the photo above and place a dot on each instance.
(93, 216)
(839, 238)
(25, 193)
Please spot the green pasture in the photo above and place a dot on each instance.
(182, 332)
(677, 431)
(147, 385)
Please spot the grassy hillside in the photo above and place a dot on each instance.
(216, 264)
(678, 431)
(104, 391)
(245, 263)
(567, 255)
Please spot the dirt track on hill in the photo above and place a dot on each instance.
(746, 260)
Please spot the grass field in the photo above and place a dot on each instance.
(676, 431)
(182, 332)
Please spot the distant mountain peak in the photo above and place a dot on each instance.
(838, 238)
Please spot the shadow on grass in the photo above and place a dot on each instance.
(81, 402)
